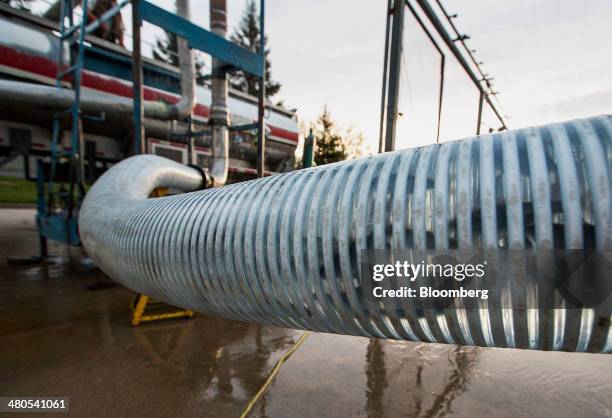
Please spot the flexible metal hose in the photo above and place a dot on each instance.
(284, 250)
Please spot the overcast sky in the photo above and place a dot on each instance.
(551, 59)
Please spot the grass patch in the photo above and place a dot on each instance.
(17, 190)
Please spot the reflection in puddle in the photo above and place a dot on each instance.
(222, 367)
(457, 382)
(376, 378)
(428, 377)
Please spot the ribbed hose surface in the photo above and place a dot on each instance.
(284, 250)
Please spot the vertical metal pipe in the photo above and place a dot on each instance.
(191, 154)
(90, 155)
(383, 96)
(395, 65)
(26, 167)
(479, 122)
(139, 134)
(184, 108)
(440, 97)
(442, 65)
(219, 116)
(309, 145)
(41, 209)
(261, 109)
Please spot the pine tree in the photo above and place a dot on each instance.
(166, 50)
(330, 147)
(247, 35)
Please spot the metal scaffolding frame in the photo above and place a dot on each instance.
(60, 224)
(392, 66)
(235, 58)
(54, 221)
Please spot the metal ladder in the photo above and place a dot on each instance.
(71, 35)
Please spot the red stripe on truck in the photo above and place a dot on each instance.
(43, 66)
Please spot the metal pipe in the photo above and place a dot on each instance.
(442, 66)
(261, 95)
(285, 250)
(309, 148)
(219, 115)
(185, 106)
(440, 97)
(41, 96)
(138, 106)
(395, 65)
(479, 118)
(461, 39)
(45, 97)
(159, 110)
(383, 96)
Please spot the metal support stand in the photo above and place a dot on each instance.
(450, 43)
(442, 66)
(61, 187)
(392, 65)
(142, 302)
(58, 209)
(40, 202)
(139, 133)
(479, 121)
(191, 154)
(441, 96)
(395, 64)
(383, 99)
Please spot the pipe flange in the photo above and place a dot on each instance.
(207, 180)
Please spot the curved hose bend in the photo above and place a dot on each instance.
(283, 250)
(120, 193)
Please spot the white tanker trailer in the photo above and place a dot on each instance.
(29, 48)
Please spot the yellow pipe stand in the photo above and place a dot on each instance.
(139, 306)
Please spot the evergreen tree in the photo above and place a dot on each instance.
(330, 147)
(166, 50)
(247, 35)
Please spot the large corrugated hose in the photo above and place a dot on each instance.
(285, 250)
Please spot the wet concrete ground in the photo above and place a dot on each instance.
(57, 338)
